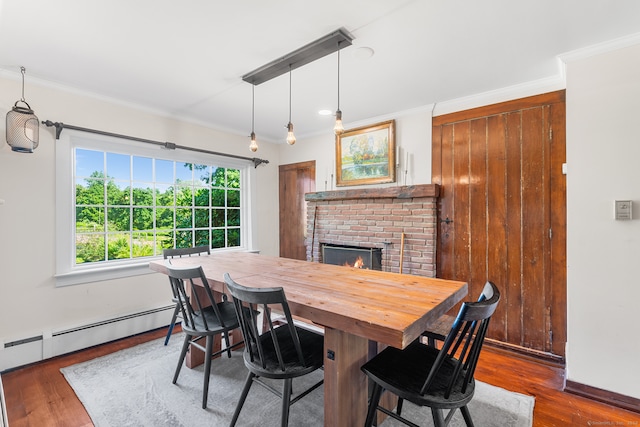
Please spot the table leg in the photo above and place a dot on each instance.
(345, 386)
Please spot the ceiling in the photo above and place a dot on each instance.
(186, 58)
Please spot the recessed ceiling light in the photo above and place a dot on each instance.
(325, 112)
(363, 53)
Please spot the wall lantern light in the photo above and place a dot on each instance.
(22, 125)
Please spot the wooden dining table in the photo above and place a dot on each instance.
(360, 310)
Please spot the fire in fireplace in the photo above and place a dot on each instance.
(353, 256)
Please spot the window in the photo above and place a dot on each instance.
(127, 203)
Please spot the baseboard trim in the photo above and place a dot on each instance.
(610, 398)
(538, 356)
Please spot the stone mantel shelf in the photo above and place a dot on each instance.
(402, 192)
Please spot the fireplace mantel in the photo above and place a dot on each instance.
(402, 192)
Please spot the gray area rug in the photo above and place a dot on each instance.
(133, 387)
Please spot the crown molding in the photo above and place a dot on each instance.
(523, 90)
(600, 48)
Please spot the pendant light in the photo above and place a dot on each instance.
(22, 126)
(253, 146)
(338, 128)
(291, 138)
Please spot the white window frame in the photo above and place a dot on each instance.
(67, 271)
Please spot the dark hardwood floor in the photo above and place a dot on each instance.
(39, 396)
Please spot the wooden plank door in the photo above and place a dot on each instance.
(502, 213)
(295, 180)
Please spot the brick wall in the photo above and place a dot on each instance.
(377, 218)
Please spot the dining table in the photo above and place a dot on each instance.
(360, 311)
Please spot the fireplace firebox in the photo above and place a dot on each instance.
(353, 256)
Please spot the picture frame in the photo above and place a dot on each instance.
(366, 155)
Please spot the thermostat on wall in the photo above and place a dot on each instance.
(623, 209)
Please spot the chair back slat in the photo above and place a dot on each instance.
(266, 299)
(179, 292)
(462, 345)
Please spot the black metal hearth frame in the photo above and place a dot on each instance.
(372, 257)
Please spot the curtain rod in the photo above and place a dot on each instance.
(168, 145)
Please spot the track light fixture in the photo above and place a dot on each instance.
(317, 49)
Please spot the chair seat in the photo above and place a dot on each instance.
(404, 372)
(227, 314)
(312, 350)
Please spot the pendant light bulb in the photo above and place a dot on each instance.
(254, 145)
(338, 128)
(291, 138)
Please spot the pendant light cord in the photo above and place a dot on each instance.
(253, 105)
(22, 70)
(289, 93)
(338, 75)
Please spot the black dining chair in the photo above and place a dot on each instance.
(438, 331)
(202, 317)
(283, 351)
(179, 253)
(436, 378)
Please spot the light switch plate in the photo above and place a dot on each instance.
(624, 209)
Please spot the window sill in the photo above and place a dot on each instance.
(104, 273)
(98, 274)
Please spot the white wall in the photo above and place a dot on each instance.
(603, 158)
(31, 304)
(413, 135)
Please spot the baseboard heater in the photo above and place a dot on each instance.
(111, 321)
(36, 348)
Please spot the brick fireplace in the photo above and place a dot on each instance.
(377, 218)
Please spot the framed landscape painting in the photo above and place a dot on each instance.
(366, 155)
